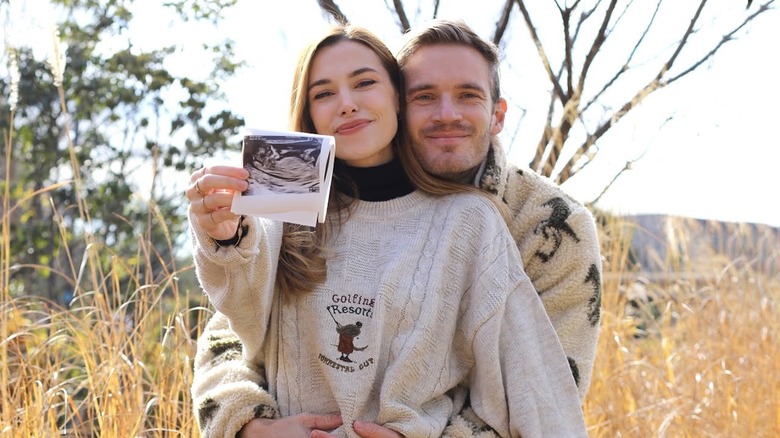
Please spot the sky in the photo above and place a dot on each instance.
(717, 156)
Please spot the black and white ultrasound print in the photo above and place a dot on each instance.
(282, 164)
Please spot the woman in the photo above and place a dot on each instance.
(405, 304)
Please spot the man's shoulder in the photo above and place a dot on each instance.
(526, 189)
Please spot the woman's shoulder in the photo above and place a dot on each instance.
(467, 201)
(474, 210)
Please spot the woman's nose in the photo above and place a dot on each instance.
(348, 104)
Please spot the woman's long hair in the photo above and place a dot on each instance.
(302, 260)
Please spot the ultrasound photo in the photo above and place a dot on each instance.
(282, 164)
(290, 174)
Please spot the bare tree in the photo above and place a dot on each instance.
(588, 95)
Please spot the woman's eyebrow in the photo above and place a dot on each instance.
(357, 72)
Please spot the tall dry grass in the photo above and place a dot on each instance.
(700, 360)
(103, 366)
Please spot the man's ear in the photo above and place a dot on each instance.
(499, 114)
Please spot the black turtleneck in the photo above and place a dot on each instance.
(380, 183)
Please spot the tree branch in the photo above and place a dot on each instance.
(655, 84)
(541, 147)
(630, 58)
(403, 20)
(567, 41)
(540, 49)
(503, 22)
(683, 40)
(598, 42)
(567, 172)
(726, 38)
(625, 168)
(331, 8)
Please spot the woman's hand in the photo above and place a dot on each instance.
(211, 194)
(295, 426)
(365, 430)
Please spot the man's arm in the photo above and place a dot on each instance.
(569, 284)
(558, 241)
(227, 391)
(230, 395)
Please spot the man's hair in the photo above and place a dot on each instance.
(453, 32)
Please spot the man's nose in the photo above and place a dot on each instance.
(447, 110)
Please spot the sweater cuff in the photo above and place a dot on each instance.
(241, 231)
(224, 412)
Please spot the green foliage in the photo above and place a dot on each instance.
(126, 116)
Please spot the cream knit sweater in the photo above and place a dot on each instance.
(425, 298)
(559, 245)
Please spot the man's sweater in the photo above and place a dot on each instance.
(558, 243)
(425, 298)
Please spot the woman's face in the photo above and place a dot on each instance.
(352, 98)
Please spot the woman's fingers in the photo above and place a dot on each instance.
(211, 194)
(217, 178)
(214, 201)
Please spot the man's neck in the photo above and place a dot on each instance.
(468, 177)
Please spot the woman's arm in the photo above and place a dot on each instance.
(521, 383)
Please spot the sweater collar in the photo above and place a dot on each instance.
(379, 183)
(493, 176)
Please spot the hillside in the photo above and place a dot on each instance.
(661, 244)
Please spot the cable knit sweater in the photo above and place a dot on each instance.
(558, 243)
(425, 300)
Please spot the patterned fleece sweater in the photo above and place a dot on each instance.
(425, 301)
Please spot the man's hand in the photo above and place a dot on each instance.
(295, 426)
(365, 430)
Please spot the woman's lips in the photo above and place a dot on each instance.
(353, 126)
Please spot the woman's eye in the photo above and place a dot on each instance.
(321, 95)
(366, 82)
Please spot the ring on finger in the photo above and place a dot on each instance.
(211, 218)
(203, 201)
(197, 188)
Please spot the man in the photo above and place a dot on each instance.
(454, 112)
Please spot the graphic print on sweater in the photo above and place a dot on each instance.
(347, 312)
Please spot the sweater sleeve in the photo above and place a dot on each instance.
(239, 280)
(227, 391)
(562, 258)
(520, 383)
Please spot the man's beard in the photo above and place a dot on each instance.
(446, 172)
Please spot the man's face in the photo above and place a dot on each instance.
(449, 112)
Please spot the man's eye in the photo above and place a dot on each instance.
(423, 97)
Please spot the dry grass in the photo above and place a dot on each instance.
(706, 363)
(96, 369)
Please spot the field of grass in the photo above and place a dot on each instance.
(700, 360)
